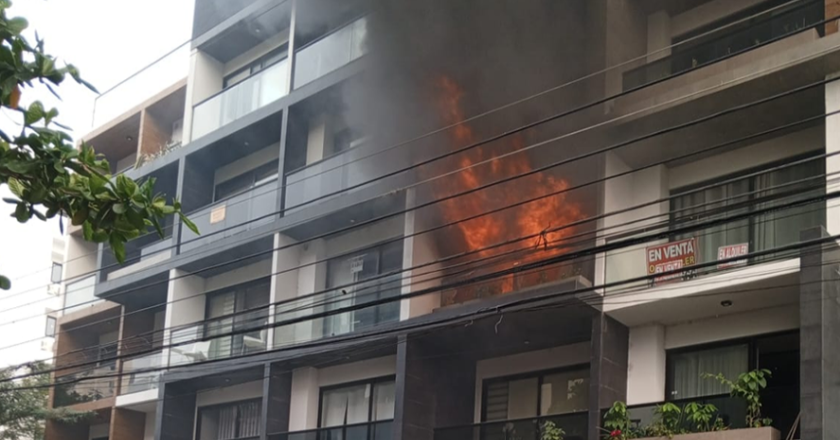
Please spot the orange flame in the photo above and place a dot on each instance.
(533, 218)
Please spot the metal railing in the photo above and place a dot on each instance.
(764, 29)
(197, 343)
(79, 390)
(380, 430)
(575, 426)
(136, 374)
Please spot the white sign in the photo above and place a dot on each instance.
(218, 214)
(732, 251)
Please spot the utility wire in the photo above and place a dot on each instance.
(526, 127)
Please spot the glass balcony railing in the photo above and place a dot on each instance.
(575, 426)
(365, 318)
(381, 430)
(241, 99)
(134, 90)
(146, 248)
(197, 343)
(141, 373)
(330, 52)
(232, 216)
(87, 386)
(80, 294)
(740, 38)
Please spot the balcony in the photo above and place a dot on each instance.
(197, 344)
(137, 375)
(80, 293)
(241, 99)
(734, 40)
(81, 389)
(233, 216)
(381, 430)
(330, 52)
(140, 252)
(574, 425)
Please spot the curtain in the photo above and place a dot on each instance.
(227, 423)
(565, 393)
(220, 305)
(344, 406)
(687, 370)
(383, 401)
(249, 419)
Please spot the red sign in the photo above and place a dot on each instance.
(671, 256)
(732, 251)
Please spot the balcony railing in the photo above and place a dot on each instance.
(774, 26)
(197, 343)
(80, 294)
(131, 92)
(330, 52)
(87, 386)
(381, 430)
(141, 373)
(574, 425)
(241, 99)
(338, 324)
(227, 215)
(145, 248)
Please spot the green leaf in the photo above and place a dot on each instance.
(34, 114)
(17, 25)
(16, 186)
(119, 208)
(79, 217)
(22, 213)
(189, 224)
(5, 283)
(118, 246)
(87, 230)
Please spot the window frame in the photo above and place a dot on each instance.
(372, 382)
(752, 356)
(540, 375)
(54, 321)
(259, 63)
(60, 268)
(237, 289)
(254, 183)
(201, 409)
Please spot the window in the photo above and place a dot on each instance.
(50, 330)
(221, 305)
(246, 181)
(760, 232)
(686, 370)
(537, 394)
(240, 420)
(55, 276)
(348, 274)
(351, 404)
(257, 66)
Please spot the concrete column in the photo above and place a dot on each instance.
(832, 145)
(414, 410)
(277, 400)
(608, 368)
(658, 36)
(284, 287)
(646, 365)
(175, 413)
(819, 333)
(304, 399)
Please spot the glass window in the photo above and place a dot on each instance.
(224, 312)
(357, 403)
(50, 330)
(239, 420)
(538, 394)
(686, 369)
(55, 276)
(245, 181)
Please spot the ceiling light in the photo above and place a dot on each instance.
(726, 303)
(129, 138)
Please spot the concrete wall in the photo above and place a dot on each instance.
(418, 250)
(307, 383)
(832, 164)
(646, 365)
(233, 393)
(256, 52)
(531, 361)
(707, 13)
(149, 429)
(80, 257)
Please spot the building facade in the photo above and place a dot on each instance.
(660, 207)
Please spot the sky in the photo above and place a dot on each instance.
(107, 40)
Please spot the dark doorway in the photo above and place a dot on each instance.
(780, 400)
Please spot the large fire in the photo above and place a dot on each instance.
(534, 218)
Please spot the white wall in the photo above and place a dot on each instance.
(255, 52)
(307, 384)
(531, 361)
(81, 257)
(759, 322)
(186, 307)
(260, 269)
(149, 429)
(418, 250)
(368, 235)
(247, 163)
(233, 393)
(646, 365)
(205, 79)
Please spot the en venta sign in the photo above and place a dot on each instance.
(670, 256)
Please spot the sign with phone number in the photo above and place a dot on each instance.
(670, 257)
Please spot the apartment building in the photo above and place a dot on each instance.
(361, 274)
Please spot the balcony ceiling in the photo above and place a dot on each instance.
(118, 141)
(249, 32)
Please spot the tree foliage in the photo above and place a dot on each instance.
(24, 405)
(46, 174)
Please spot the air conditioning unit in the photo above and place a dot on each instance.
(54, 289)
(47, 344)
